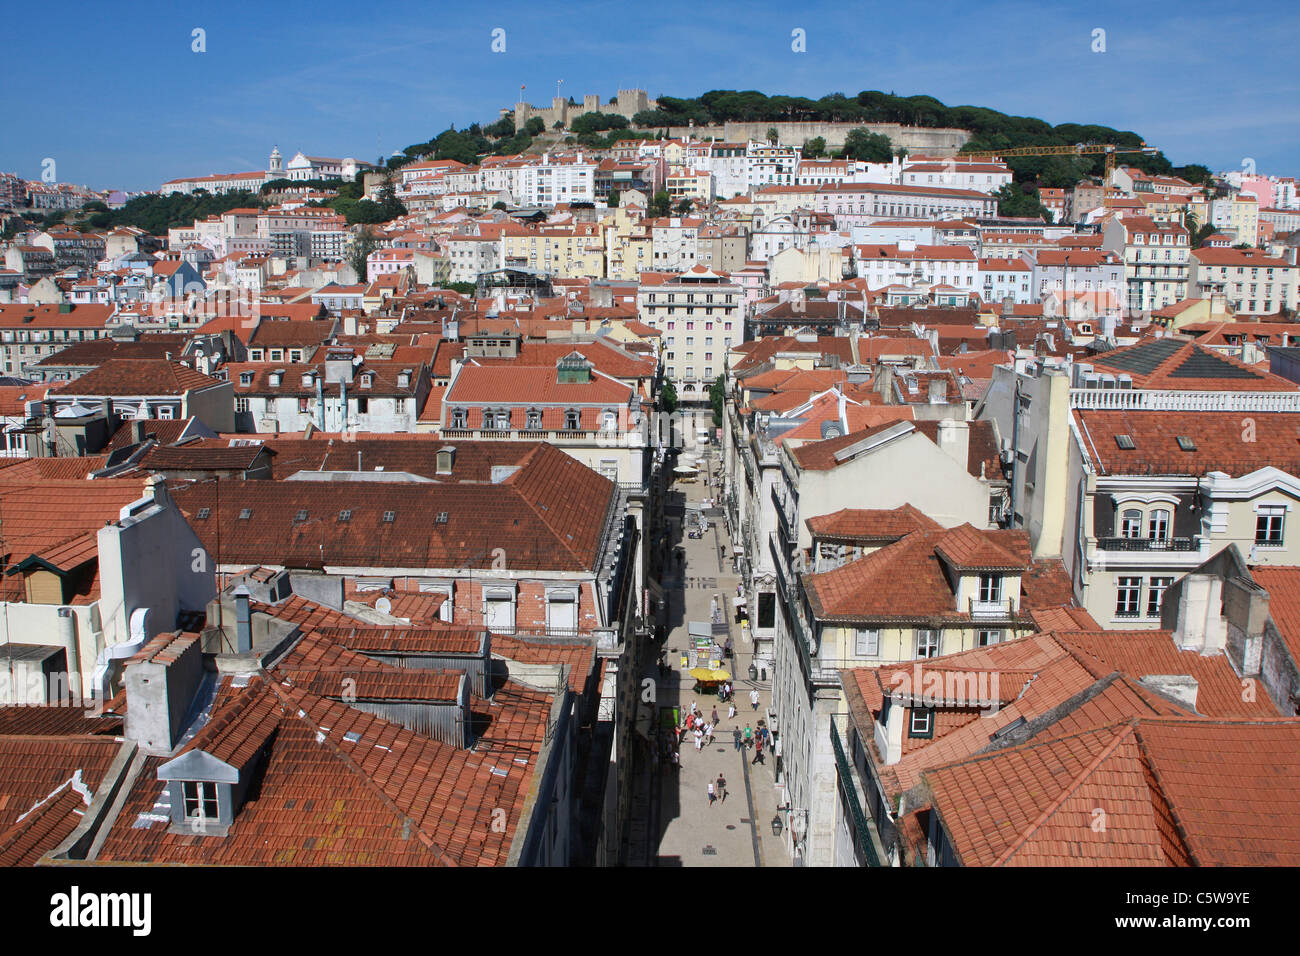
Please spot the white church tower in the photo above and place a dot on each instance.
(277, 164)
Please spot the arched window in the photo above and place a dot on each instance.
(1158, 525)
(534, 419)
(609, 420)
(1130, 523)
(572, 420)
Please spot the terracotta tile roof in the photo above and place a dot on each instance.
(164, 431)
(46, 783)
(129, 377)
(1218, 439)
(1283, 587)
(577, 654)
(907, 581)
(548, 514)
(1182, 365)
(37, 516)
(870, 524)
(155, 345)
(274, 333)
(532, 385)
(1143, 653)
(188, 457)
(1160, 782)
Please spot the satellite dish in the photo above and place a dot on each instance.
(383, 605)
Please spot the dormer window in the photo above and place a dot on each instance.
(200, 799)
(367, 380)
(458, 418)
(534, 419)
(922, 722)
(572, 420)
(990, 588)
(245, 378)
(255, 355)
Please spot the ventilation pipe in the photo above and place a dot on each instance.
(68, 638)
(243, 621)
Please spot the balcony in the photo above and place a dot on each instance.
(1000, 610)
(784, 523)
(1148, 544)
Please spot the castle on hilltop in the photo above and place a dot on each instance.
(627, 104)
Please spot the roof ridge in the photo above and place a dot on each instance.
(1149, 761)
(1068, 790)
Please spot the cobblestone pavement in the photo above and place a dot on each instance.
(735, 831)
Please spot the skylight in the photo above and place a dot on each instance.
(245, 514)
(203, 513)
(301, 515)
(1125, 442)
(1186, 444)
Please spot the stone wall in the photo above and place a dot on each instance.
(936, 141)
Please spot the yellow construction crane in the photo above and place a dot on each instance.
(1110, 150)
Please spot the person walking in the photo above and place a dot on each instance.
(722, 788)
(712, 795)
(736, 738)
(731, 711)
(699, 739)
(753, 698)
(715, 716)
(749, 735)
(758, 753)
(708, 733)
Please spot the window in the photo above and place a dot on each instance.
(1158, 525)
(499, 610)
(867, 643)
(989, 638)
(302, 404)
(927, 644)
(534, 419)
(561, 611)
(1156, 595)
(922, 722)
(990, 588)
(458, 417)
(1128, 594)
(1130, 523)
(200, 799)
(572, 420)
(241, 405)
(1269, 522)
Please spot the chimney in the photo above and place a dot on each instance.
(1200, 625)
(243, 621)
(939, 391)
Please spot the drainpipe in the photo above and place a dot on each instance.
(68, 638)
(320, 402)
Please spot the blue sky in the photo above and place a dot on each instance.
(115, 95)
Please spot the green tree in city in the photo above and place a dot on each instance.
(612, 201)
(683, 207)
(868, 147)
(363, 243)
(1020, 200)
(535, 126)
(772, 135)
(668, 397)
(718, 397)
(660, 203)
(814, 148)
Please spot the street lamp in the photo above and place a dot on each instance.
(776, 825)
